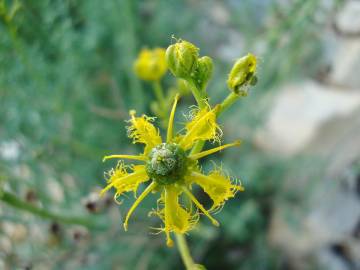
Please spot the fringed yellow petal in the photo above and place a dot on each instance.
(200, 206)
(219, 187)
(114, 174)
(170, 131)
(214, 150)
(203, 126)
(143, 131)
(176, 218)
(123, 181)
(150, 188)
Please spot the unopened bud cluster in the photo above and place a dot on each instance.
(184, 62)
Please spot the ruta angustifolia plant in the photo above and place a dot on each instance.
(171, 165)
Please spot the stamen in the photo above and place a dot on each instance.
(214, 150)
(171, 120)
(150, 188)
(133, 157)
(199, 205)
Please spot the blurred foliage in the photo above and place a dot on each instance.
(66, 85)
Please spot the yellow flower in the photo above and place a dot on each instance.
(173, 170)
(151, 64)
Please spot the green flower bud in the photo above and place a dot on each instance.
(182, 58)
(242, 74)
(203, 72)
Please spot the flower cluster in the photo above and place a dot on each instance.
(173, 171)
(184, 62)
(170, 167)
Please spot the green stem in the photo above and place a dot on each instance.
(161, 101)
(127, 17)
(159, 93)
(228, 101)
(199, 97)
(184, 251)
(12, 200)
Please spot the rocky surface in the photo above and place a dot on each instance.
(322, 119)
(300, 111)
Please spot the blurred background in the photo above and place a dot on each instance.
(67, 83)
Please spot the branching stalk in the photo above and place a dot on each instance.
(13, 201)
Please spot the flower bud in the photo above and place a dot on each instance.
(242, 74)
(182, 58)
(203, 72)
(151, 64)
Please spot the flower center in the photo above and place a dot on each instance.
(166, 164)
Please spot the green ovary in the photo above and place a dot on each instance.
(166, 164)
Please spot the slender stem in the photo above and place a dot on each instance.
(12, 200)
(184, 251)
(228, 101)
(127, 17)
(199, 97)
(159, 93)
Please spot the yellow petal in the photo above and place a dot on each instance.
(123, 181)
(143, 131)
(146, 192)
(200, 206)
(217, 186)
(214, 150)
(111, 176)
(141, 158)
(170, 131)
(203, 126)
(176, 218)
